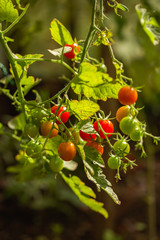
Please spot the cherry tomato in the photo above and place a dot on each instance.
(136, 134)
(56, 163)
(38, 115)
(31, 130)
(46, 127)
(122, 112)
(106, 125)
(67, 151)
(128, 124)
(121, 147)
(33, 149)
(86, 136)
(127, 95)
(64, 114)
(113, 162)
(95, 145)
(75, 49)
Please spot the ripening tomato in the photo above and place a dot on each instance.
(106, 125)
(75, 134)
(46, 128)
(56, 163)
(122, 112)
(74, 49)
(64, 115)
(127, 95)
(113, 162)
(128, 124)
(95, 145)
(121, 147)
(67, 151)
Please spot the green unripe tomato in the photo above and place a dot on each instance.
(38, 115)
(128, 124)
(31, 130)
(33, 149)
(102, 68)
(113, 162)
(136, 134)
(56, 163)
(122, 147)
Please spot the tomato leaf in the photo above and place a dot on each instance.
(7, 11)
(95, 84)
(70, 165)
(58, 52)
(83, 109)
(17, 123)
(59, 33)
(95, 174)
(149, 24)
(85, 194)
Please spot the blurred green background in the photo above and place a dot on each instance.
(46, 209)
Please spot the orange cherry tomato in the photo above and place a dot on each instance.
(67, 151)
(46, 127)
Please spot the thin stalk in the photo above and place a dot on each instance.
(92, 28)
(12, 61)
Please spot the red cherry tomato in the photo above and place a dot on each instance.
(71, 54)
(106, 125)
(64, 116)
(95, 145)
(86, 136)
(127, 95)
(67, 151)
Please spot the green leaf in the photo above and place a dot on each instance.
(83, 109)
(59, 33)
(95, 84)
(85, 194)
(17, 123)
(95, 174)
(32, 58)
(52, 145)
(149, 24)
(7, 11)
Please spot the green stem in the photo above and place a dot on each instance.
(91, 30)
(47, 60)
(12, 61)
(16, 21)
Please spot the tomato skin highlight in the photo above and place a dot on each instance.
(128, 124)
(122, 112)
(86, 136)
(46, 127)
(106, 125)
(64, 116)
(127, 95)
(122, 147)
(67, 151)
(113, 162)
(71, 54)
(95, 145)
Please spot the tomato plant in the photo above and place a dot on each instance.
(106, 125)
(127, 95)
(64, 115)
(67, 151)
(47, 128)
(75, 49)
(88, 81)
(95, 145)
